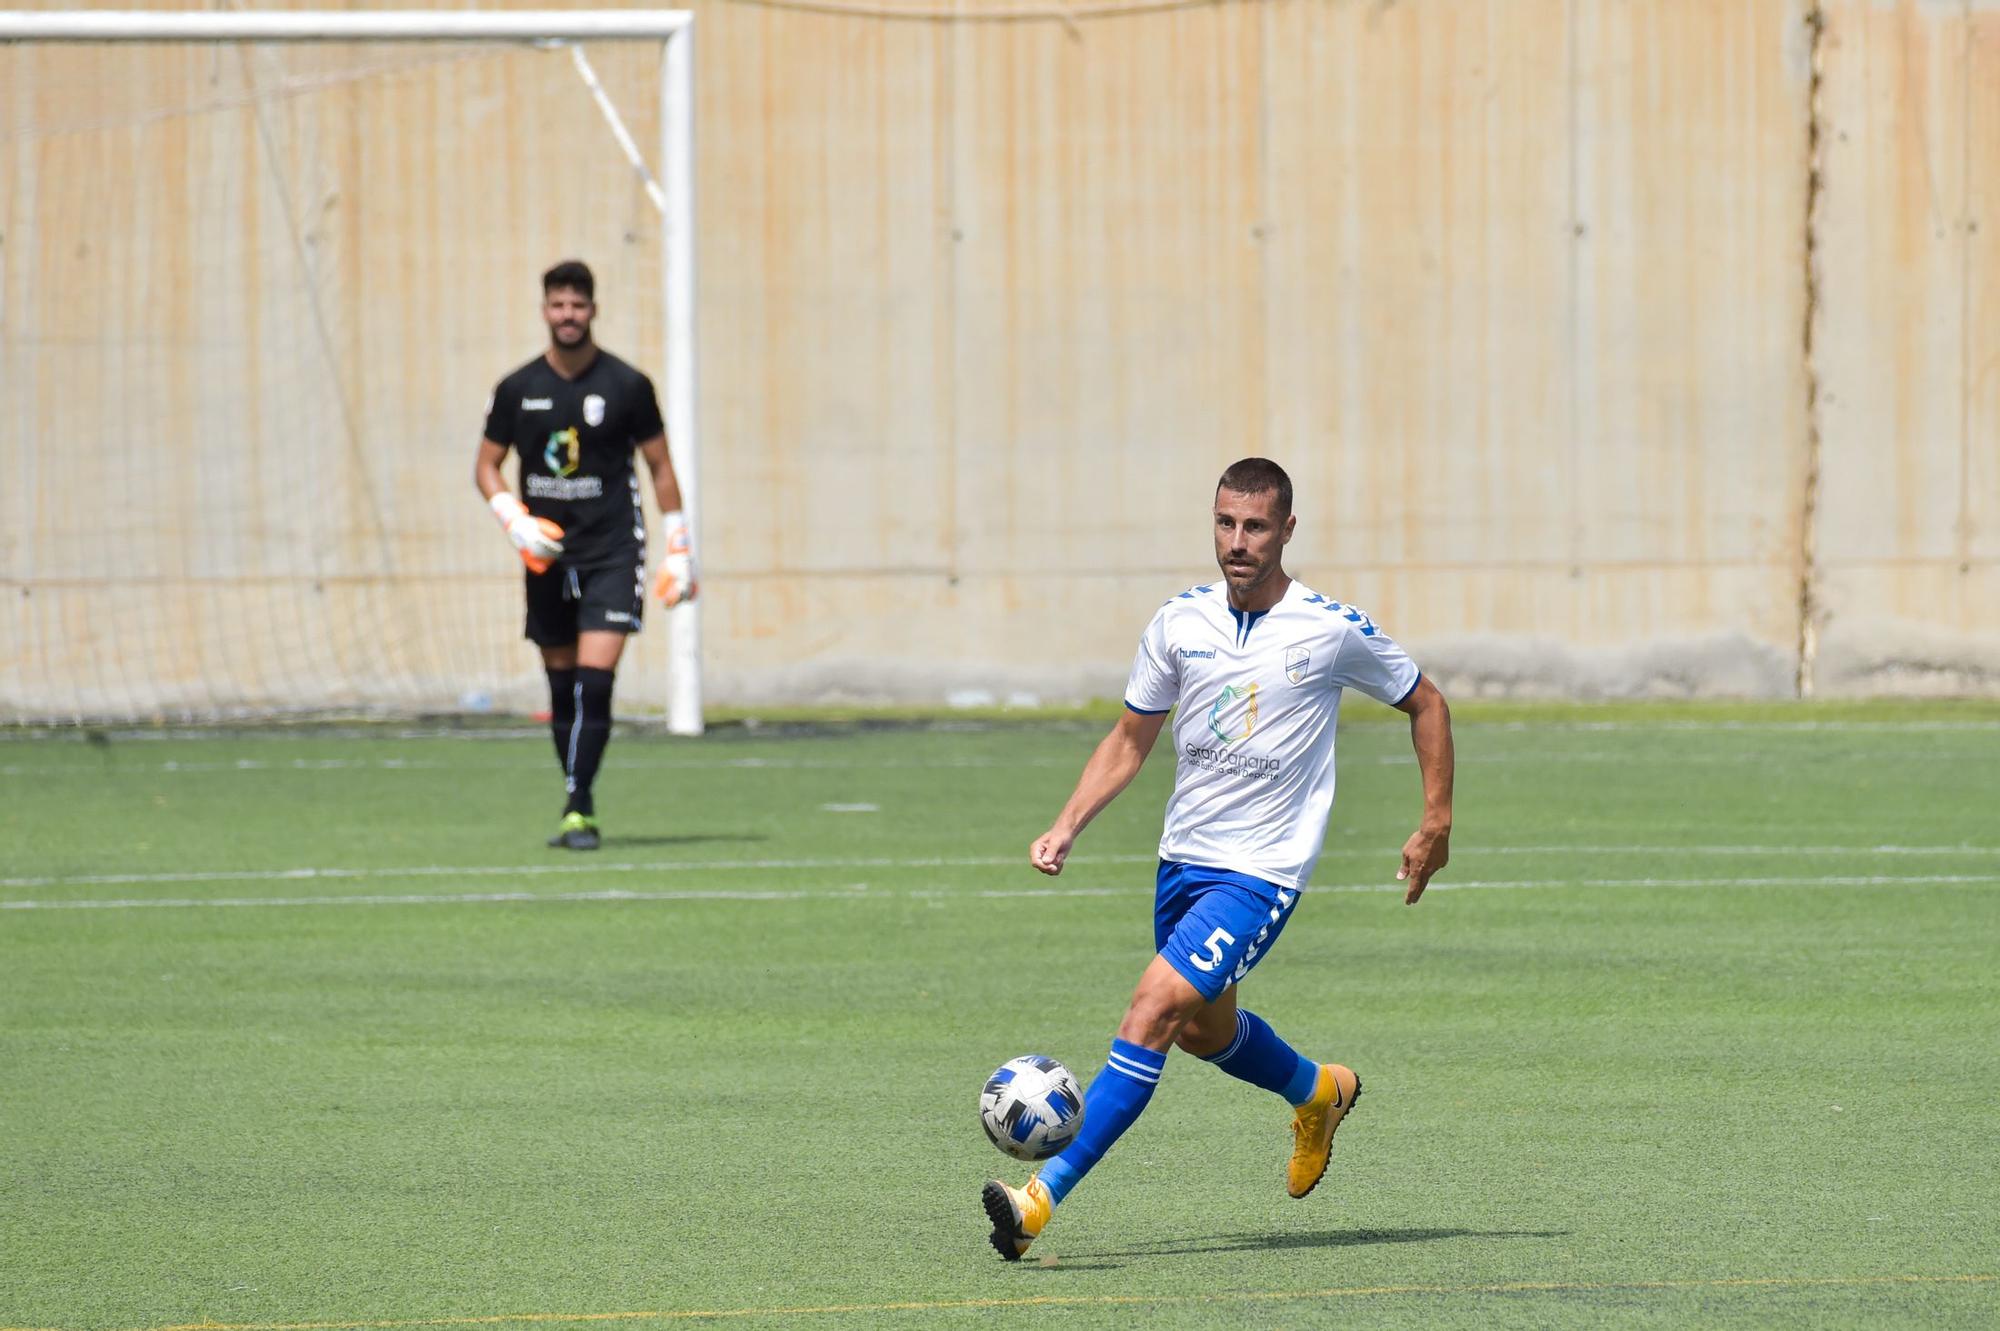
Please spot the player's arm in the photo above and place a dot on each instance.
(486, 470)
(676, 581)
(1111, 768)
(538, 540)
(1429, 847)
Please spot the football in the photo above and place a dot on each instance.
(1031, 1107)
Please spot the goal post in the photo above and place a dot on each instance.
(672, 194)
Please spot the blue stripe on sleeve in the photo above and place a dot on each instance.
(1406, 692)
(1155, 711)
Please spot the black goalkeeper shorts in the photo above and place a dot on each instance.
(567, 601)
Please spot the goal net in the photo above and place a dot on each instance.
(253, 298)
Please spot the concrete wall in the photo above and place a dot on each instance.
(1520, 292)
(1909, 509)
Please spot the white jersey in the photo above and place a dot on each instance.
(1258, 695)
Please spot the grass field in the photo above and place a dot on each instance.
(306, 1028)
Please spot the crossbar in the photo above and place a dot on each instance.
(341, 25)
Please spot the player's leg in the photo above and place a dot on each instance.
(551, 626)
(587, 735)
(559, 664)
(610, 606)
(1116, 1097)
(597, 653)
(1170, 992)
(1243, 1044)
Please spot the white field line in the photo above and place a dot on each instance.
(1502, 884)
(1557, 756)
(862, 892)
(752, 762)
(1712, 727)
(778, 732)
(115, 767)
(1385, 853)
(537, 870)
(1075, 761)
(83, 767)
(175, 767)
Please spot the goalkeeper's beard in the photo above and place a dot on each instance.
(582, 340)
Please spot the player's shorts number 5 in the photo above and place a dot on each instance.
(1214, 945)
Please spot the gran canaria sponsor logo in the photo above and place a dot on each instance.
(1221, 717)
(1234, 762)
(566, 489)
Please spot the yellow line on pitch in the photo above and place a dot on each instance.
(1088, 1301)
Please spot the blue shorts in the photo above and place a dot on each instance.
(1213, 925)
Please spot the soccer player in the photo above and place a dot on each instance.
(1252, 666)
(575, 414)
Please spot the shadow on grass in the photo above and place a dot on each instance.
(683, 839)
(1325, 1238)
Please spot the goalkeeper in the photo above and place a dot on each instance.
(575, 414)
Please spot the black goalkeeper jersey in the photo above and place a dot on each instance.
(576, 438)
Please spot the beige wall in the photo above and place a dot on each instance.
(1909, 531)
(1517, 291)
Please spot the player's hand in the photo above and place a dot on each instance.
(1051, 848)
(675, 581)
(1426, 852)
(538, 539)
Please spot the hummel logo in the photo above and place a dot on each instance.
(537, 403)
(617, 617)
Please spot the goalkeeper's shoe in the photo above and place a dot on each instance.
(1018, 1215)
(1313, 1123)
(578, 832)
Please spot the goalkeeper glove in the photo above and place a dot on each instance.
(675, 581)
(538, 539)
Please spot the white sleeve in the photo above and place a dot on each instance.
(1155, 682)
(1369, 659)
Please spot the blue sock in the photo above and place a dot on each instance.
(1259, 1057)
(1110, 1106)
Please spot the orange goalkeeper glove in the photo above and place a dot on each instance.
(538, 539)
(675, 581)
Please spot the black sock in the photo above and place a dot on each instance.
(562, 712)
(590, 734)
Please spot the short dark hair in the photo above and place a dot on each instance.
(1252, 476)
(573, 275)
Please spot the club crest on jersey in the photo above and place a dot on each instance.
(593, 410)
(564, 452)
(1219, 724)
(1296, 661)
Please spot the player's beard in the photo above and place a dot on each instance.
(582, 341)
(1247, 581)
(1246, 577)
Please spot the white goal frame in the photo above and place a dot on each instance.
(672, 194)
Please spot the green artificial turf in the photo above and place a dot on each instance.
(1702, 1026)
